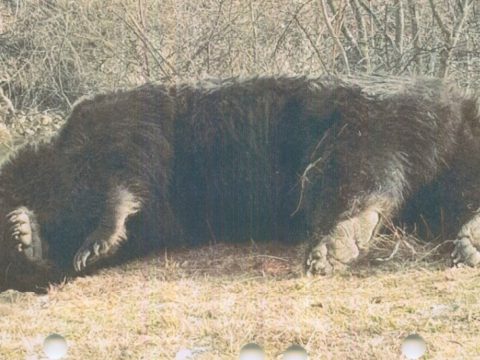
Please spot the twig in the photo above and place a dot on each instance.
(394, 252)
(287, 27)
(303, 181)
(254, 32)
(312, 43)
(363, 42)
(334, 36)
(7, 101)
(415, 33)
(346, 32)
(320, 142)
(399, 25)
(439, 21)
(435, 248)
(378, 22)
(304, 178)
(137, 30)
(272, 257)
(412, 249)
(206, 43)
(143, 50)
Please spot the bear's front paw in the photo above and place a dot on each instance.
(92, 250)
(318, 262)
(23, 233)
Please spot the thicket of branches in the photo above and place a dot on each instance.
(53, 51)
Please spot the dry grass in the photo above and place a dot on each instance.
(214, 299)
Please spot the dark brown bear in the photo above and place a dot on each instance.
(234, 159)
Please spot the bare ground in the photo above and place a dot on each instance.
(214, 299)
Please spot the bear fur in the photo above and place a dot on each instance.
(324, 159)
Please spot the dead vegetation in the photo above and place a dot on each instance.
(215, 299)
(52, 52)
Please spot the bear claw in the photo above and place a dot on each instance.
(90, 252)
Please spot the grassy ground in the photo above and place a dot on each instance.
(214, 299)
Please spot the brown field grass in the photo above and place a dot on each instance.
(214, 299)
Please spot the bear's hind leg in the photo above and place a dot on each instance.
(349, 237)
(349, 205)
(467, 243)
(466, 194)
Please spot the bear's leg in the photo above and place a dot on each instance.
(349, 205)
(111, 231)
(350, 236)
(464, 187)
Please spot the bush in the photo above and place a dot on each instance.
(53, 51)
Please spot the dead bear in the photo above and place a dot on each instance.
(324, 159)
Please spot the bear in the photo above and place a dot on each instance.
(323, 159)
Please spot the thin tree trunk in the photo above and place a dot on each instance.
(346, 32)
(399, 25)
(334, 36)
(415, 34)
(362, 32)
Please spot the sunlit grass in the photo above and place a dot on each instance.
(213, 300)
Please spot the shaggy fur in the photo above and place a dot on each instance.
(328, 159)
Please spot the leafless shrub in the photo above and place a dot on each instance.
(51, 52)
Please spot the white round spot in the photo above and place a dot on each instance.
(252, 352)
(55, 347)
(295, 352)
(414, 347)
(184, 354)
